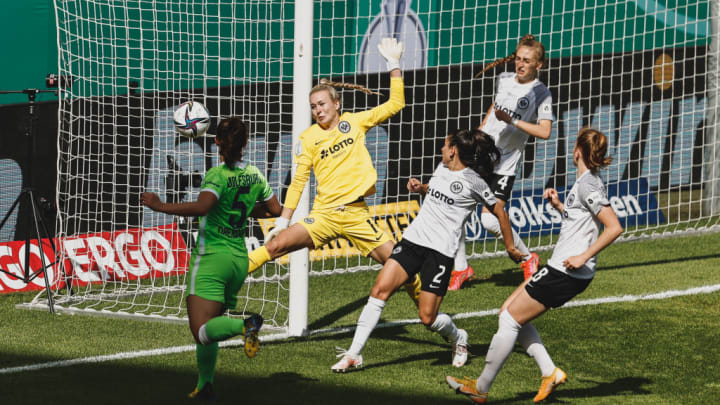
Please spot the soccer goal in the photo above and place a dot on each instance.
(642, 71)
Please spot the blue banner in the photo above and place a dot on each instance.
(531, 215)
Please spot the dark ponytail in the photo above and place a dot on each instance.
(232, 135)
(476, 150)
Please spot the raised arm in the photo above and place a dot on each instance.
(267, 209)
(391, 50)
(540, 130)
(415, 186)
(205, 201)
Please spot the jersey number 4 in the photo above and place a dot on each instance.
(502, 182)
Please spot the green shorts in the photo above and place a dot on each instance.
(217, 277)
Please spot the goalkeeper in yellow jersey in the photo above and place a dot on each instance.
(335, 148)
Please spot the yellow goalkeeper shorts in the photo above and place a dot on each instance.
(352, 222)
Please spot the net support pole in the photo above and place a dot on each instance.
(302, 83)
(711, 158)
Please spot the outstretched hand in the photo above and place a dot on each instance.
(574, 262)
(503, 116)
(392, 51)
(515, 255)
(551, 195)
(151, 200)
(414, 185)
(281, 224)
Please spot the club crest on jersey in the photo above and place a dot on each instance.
(344, 127)
(309, 220)
(397, 249)
(570, 199)
(456, 187)
(523, 103)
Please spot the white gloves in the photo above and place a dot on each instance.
(281, 223)
(391, 50)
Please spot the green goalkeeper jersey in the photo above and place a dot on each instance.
(237, 190)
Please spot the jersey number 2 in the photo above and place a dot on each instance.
(437, 279)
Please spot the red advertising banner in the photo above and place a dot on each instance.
(129, 254)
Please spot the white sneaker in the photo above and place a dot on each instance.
(347, 361)
(460, 351)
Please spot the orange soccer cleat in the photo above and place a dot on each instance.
(459, 277)
(530, 266)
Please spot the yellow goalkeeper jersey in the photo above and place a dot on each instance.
(342, 163)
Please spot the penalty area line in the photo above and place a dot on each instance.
(281, 336)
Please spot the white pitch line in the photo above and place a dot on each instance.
(270, 338)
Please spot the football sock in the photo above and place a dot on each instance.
(445, 327)
(369, 317)
(492, 225)
(530, 340)
(221, 328)
(500, 348)
(461, 262)
(257, 258)
(206, 356)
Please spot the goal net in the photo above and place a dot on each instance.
(640, 71)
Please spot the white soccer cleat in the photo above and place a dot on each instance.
(346, 362)
(460, 351)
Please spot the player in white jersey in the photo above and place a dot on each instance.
(522, 108)
(568, 273)
(430, 242)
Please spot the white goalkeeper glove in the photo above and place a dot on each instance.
(281, 223)
(391, 50)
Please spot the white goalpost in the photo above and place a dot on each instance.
(643, 72)
(302, 83)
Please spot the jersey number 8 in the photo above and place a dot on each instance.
(540, 274)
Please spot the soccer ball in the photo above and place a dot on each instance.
(192, 119)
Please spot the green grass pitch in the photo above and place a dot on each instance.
(653, 351)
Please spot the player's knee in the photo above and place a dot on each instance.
(380, 292)
(196, 335)
(427, 318)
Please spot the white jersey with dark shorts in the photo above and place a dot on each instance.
(451, 197)
(580, 225)
(554, 285)
(529, 102)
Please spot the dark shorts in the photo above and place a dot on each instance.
(433, 266)
(501, 185)
(554, 288)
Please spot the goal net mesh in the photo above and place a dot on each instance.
(637, 70)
